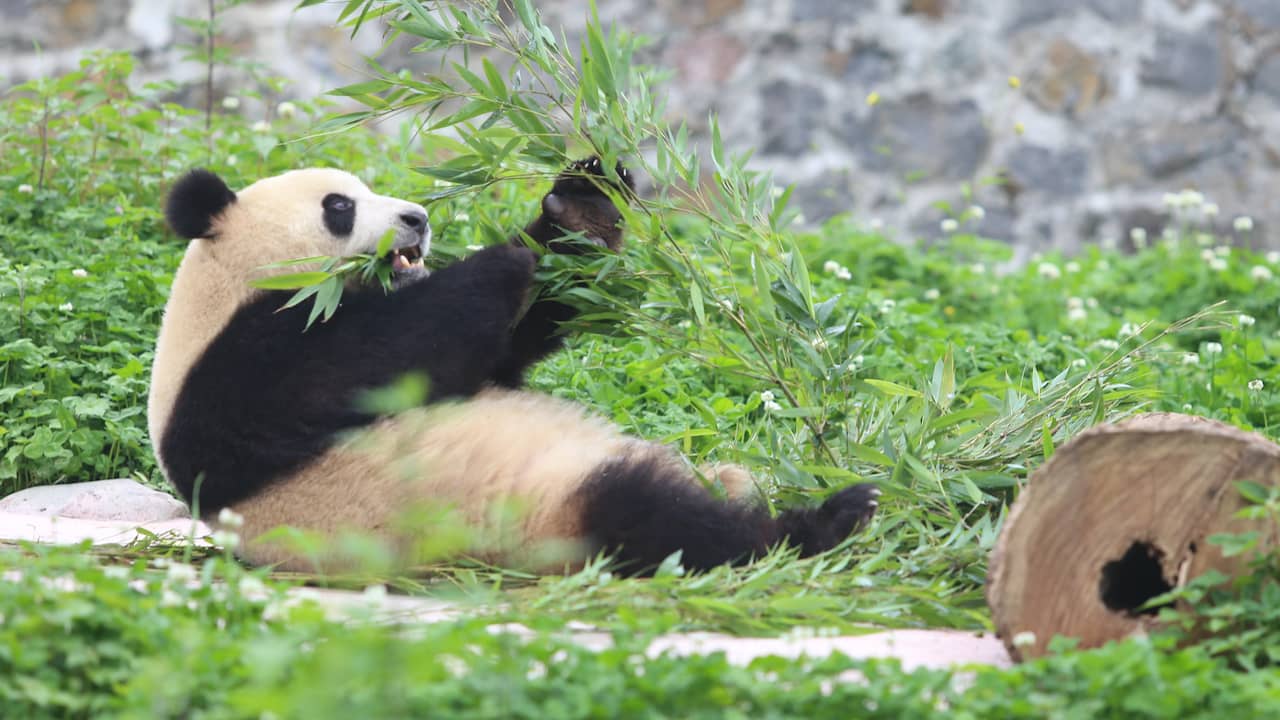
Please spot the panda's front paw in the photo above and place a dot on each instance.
(584, 177)
(578, 206)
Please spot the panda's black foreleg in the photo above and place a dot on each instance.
(642, 510)
(455, 324)
(575, 205)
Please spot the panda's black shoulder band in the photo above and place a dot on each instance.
(195, 200)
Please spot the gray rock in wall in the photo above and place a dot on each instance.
(1120, 100)
(921, 136)
(1189, 63)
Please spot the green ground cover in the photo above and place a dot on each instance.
(816, 357)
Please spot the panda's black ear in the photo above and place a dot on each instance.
(195, 200)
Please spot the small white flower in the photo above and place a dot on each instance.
(1077, 314)
(1243, 224)
(1213, 348)
(1072, 267)
(1172, 200)
(462, 217)
(843, 274)
(1049, 270)
(766, 396)
(232, 159)
(80, 273)
(725, 304)
(932, 294)
(1207, 255)
(1138, 236)
(1246, 320)
(1074, 303)
(181, 572)
(1210, 210)
(887, 305)
(949, 225)
(262, 126)
(1204, 239)
(286, 109)
(772, 406)
(830, 267)
(251, 587)
(230, 518)
(1024, 639)
(819, 343)
(226, 539)
(1260, 273)
(1091, 303)
(1191, 199)
(1190, 359)
(66, 307)
(1128, 330)
(977, 212)
(1255, 385)
(375, 594)
(1079, 362)
(1108, 344)
(1218, 264)
(26, 189)
(231, 102)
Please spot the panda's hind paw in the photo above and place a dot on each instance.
(819, 529)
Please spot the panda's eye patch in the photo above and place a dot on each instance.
(339, 213)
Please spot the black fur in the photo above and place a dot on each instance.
(266, 398)
(575, 205)
(642, 511)
(195, 200)
(339, 214)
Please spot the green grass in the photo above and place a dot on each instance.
(923, 370)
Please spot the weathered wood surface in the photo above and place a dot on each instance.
(1118, 515)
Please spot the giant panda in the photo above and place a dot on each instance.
(251, 410)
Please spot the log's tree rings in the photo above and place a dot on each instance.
(1119, 515)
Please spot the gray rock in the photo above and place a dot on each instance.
(121, 499)
(921, 135)
(1039, 169)
(1117, 11)
(791, 113)
(1265, 14)
(1174, 148)
(821, 199)
(830, 11)
(1188, 63)
(1028, 13)
(870, 65)
(1268, 78)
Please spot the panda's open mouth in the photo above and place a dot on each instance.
(407, 259)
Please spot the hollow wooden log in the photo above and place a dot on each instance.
(1119, 515)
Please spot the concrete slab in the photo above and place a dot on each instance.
(120, 499)
(56, 530)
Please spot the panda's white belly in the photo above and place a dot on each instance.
(506, 462)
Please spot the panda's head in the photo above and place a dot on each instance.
(299, 214)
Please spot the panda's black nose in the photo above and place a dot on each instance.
(415, 220)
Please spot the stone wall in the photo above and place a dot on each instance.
(1067, 121)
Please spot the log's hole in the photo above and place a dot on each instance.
(1134, 579)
